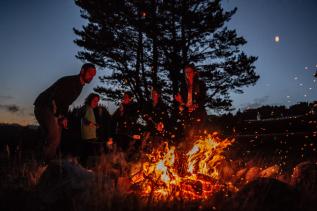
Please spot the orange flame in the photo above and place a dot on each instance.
(163, 178)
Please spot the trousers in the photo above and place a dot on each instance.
(52, 130)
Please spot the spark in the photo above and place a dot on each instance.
(277, 39)
(295, 78)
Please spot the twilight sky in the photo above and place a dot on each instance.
(37, 48)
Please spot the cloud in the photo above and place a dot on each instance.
(10, 108)
(258, 102)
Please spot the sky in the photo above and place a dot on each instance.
(37, 48)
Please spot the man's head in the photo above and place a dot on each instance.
(127, 98)
(87, 73)
(155, 95)
(190, 72)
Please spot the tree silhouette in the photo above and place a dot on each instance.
(143, 43)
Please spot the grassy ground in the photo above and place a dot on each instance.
(22, 185)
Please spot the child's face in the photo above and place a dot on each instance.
(126, 99)
(155, 96)
(94, 102)
(190, 73)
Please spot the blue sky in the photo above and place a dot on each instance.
(286, 67)
(36, 39)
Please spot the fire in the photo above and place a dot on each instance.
(169, 174)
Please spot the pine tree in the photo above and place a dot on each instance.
(143, 43)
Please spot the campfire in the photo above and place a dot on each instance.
(169, 173)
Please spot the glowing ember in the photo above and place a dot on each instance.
(167, 174)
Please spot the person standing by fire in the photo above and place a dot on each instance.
(156, 117)
(103, 119)
(191, 102)
(125, 128)
(51, 106)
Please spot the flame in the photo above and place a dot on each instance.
(206, 155)
(168, 174)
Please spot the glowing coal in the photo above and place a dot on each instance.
(169, 173)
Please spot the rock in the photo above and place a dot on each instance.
(271, 171)
(60, 183)
(239, 176)
(264, 194)
(304, 178)
(241, 172)
(304, 173)
(283, 178)
(252, 174)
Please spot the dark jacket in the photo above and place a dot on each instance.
(103, 119)
(124, 121)
(155, 114)
(63, 92)
(199, 115)
(199, 93)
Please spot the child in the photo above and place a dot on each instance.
(90, 144)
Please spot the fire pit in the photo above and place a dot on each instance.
(169, 173)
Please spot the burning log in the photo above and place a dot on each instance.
(168, 174)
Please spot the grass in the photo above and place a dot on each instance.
(21, 184)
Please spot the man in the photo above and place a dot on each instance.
(191, 102)
(126, 129)
(51, 106)
(155, 113)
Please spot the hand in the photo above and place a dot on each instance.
(136, 137)
(160, 126)
(192, 108)
(110, 144)
(63, 122)
(91, 124)
(110, 141)
(178, 98)
(181, 108)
